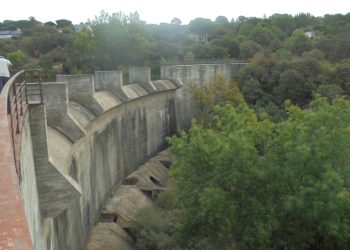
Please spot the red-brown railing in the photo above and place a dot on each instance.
(21, 93)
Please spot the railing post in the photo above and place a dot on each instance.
(21, 84)
(40, 88)
(15, 102)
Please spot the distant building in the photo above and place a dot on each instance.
(310, 34)
(9, 33)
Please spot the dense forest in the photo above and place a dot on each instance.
(265, 164)
(292, 57)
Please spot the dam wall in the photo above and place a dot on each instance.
(186, 75)
(91, 132)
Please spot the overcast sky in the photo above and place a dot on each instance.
(156, 11)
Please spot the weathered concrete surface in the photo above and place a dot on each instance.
(56, 104)
(185, 75)
(107, 99)
(29, 184)
(56, 189)
(132, 91)
(109, 236)
(60, 149)
(108, 80)
(81, 90)
(127, 200)
(119, 211)
(142, 76)
(115, 143)
(149, 177)
(80, 115)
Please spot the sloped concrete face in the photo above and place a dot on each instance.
(56, 189)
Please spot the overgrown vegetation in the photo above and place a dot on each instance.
(283, 49)
(247, 182)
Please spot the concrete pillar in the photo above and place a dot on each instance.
(111, 81)
(142, 76)
(56, 104)
(81, 90)
(108, 80)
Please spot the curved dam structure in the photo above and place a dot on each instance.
(78, 143)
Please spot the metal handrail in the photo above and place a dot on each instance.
(19, 96)
(171, 62)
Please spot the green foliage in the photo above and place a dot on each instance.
(330, 91)
(154, 229)
(299, 43)
(62, 23)
(220, 167)
(284, 62)
(218, 91)
(154, 226)
(17, 58)
(245, 183)
(248, 49)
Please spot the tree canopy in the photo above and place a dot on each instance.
(250, 183)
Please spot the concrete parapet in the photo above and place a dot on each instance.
(56, 189)
(56, 104)
(139, 74)
(142, 76)
(108, 80)
(201, 72)
(81, 90)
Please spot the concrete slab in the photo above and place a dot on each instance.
(125, 203)
(107, 100)
(109, 236)
(59, 148)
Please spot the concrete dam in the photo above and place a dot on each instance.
(65, 146)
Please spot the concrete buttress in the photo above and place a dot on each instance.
(56, 190)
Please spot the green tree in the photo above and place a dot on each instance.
(262, 34)
(331, 91)
(229, 42)
(154, 226)
(61, 23)
(245, 183)
(84, 46)
(17, 58)
(248, 49)
(299, 43)
(202, 27)
(221, 168)
(218, 91)
(284, 22)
